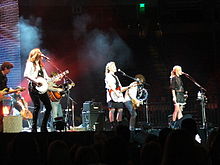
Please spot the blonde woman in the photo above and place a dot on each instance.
(177, 90)
(114, 89)
(34, 71)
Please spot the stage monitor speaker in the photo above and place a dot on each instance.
(93, 121)
(12, 124)
(90, 106)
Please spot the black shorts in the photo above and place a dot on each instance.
(112, 104)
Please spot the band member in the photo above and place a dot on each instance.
(177, 90)
(134, 97)
(20, 106)
(34, 69)
(53, 90)
(4, 70)
(114, 94)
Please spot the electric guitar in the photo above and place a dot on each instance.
(3, 92)
(42, 84)
(119, 97)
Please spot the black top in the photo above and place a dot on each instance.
(3, 81)
(177, 85)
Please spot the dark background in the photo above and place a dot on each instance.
(83, 36)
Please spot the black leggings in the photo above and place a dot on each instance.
(36, 98)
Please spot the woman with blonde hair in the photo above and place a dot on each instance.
(114, 89)
(33, 71)
(177, 90)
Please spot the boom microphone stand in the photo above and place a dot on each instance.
(124, 74)
(202, 98)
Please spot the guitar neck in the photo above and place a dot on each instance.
(59, 75)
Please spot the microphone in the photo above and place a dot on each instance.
(42, 55)
(119, 70)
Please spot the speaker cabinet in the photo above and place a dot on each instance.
(90, 106)
(93, 121)
(12, 124)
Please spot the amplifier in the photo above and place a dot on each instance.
(90, 106)
(12, 124)
(93, 121)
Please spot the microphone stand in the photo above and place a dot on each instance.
(69, 107)
(203, 100)
(124, 74)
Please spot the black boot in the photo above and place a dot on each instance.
(44, 122)
(34, 122)
(43, 128)
(112, 126)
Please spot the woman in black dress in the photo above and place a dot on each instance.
(178, 95)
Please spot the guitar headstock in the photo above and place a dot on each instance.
(66, 72)
(61, 74)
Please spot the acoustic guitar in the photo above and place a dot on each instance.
(42, 84)
(56, 96)
(119, 97)
(25, 113)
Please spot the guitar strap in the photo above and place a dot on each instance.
(117, 85)
(40, 72)
(117, 81)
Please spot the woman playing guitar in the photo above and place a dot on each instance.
(114, 94)
(33, 71)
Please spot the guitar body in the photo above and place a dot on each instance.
(136, 104)
(116, 97)
(26, 114)
(44, 87)
(54, 96)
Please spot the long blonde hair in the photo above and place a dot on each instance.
(34, 55)
(176, 68)
(108, 66)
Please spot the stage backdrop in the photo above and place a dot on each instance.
(10, 39)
